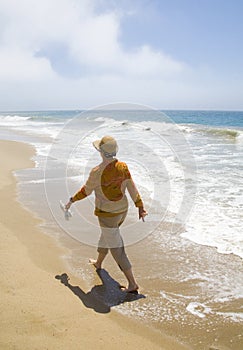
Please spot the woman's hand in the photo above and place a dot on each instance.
(142, 213)
(68, 205)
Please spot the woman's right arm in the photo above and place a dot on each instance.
(85, 191)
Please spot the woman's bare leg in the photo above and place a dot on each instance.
(97, 263)
(132, 285)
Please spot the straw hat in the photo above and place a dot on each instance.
(107, 145)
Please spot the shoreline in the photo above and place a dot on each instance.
(39, 312)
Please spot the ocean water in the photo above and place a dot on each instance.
(188, 166)
(181, 159)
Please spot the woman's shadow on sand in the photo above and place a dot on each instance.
(101, 297)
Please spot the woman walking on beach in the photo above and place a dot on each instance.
(109, 180)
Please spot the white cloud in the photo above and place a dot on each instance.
(90, 66)
(18, 65)
(91, 39)
(149, 63)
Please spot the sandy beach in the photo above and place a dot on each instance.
(39, 312)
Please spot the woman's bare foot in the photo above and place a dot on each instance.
(94, 262)
(132, 288)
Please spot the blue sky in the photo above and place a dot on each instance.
(197, 31)
(63, 54)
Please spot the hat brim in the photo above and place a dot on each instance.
(96, 145)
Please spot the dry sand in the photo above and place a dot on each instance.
(37, 312)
